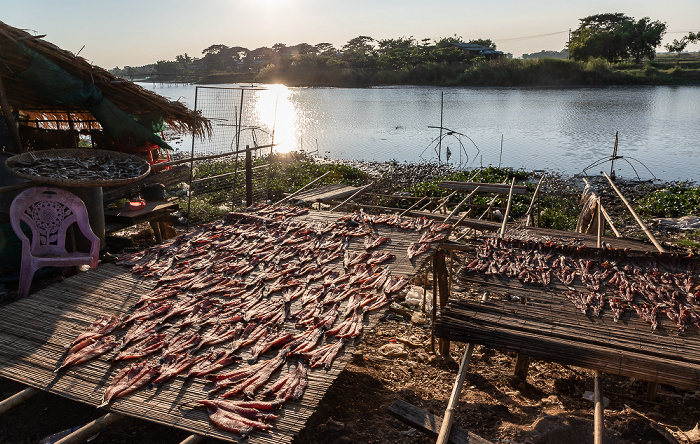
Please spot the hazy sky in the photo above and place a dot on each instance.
(128, 32)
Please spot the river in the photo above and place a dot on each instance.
(562, 130)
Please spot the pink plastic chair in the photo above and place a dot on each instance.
(48, 212)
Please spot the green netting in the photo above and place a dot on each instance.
(53, 83)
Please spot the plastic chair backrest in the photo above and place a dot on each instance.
(48, 212)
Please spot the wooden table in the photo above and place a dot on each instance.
(155, 212)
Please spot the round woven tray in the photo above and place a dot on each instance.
(50, 159)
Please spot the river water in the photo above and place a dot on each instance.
(562, 130)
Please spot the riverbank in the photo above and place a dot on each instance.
(544, 72)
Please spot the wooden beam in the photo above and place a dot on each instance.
(352, 196)
(414, 205)
(528, 221)
(303, 188)
(441, 287)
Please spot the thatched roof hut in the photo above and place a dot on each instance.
(42, 82)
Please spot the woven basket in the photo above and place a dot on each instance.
(141, 166)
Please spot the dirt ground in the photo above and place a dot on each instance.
(549, 407)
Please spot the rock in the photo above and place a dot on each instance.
(334, 426)
(419, 318)
(393, 351)
(407, 393)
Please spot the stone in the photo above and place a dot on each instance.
(393, 350)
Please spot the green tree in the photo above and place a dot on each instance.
(360, 52)
(615, 37)
(325, 49)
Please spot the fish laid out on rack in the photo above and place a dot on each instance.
(236, 299)
(646, 284)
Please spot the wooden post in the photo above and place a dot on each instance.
(598, 424)
(447, 420)
(193, 439)
(440, 271)
(248, 176)
(522, 365)
(601, 225)
(652, 389)
(636, 216)
(454, 211)
(605, 213)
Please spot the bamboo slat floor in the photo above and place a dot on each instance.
(35, 331)
(505, 314)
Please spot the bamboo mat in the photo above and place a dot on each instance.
(543, 324)
(34, 331)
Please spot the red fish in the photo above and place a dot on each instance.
(173, 364)
(325, 355)
(88, 349)
(233, 420)
(144, 348)
(129, 379)
(102, 326)
(290, 386)
(213, 361)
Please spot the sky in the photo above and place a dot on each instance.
(134, 33)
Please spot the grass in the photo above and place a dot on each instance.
(678, 200)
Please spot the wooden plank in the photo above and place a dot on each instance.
(430, 424)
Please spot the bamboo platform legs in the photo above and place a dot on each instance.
(17, 399)
(440, 292)
(598, 425)
(447, 420)
(522, 365)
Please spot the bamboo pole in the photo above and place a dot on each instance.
(636, 217)
(193, 439)
(598, 424)
(353, 195)
(17, 399)
(460, 204)
(447, 420)
(532, 202)
(414, 205)
(303, 188)
(601, 225)
(444, 201)
(90, 429)
(505, 216)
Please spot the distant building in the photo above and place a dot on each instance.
(474, 50)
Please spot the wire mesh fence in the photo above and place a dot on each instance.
(232, 165)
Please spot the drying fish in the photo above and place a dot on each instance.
(375, 241)
(350, 327)
(172, 364)
(252, 376)
(360, 272)
(286, 283)
(202, 311)
(648, 313)
(437, 227)
(290, 386)
(238, 419)
(338, 295)
(417, 248)
(319, 273)
(377, 302)
(182, 341)
(213, 361)
(292, 293)
(379, 257)
(150, 345)
(140, 330)
(375, 281)
(395, 283)
(313, 294)
(87, 349)
(595, 301)
(329, 256)
(305, 342)
(158, 294)
(420, 223)
(129, 379)
(325, 355)
(429, 237)
(221, 333)
(267, 342)
(102, 326)
(336, 278)
(578, 299)
(617, 307)
(152, 310)
(250, 335)
(354, 258)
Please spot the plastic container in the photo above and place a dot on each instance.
(136, 205)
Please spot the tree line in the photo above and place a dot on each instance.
(613, 37)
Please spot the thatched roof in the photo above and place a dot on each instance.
(127, 96)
